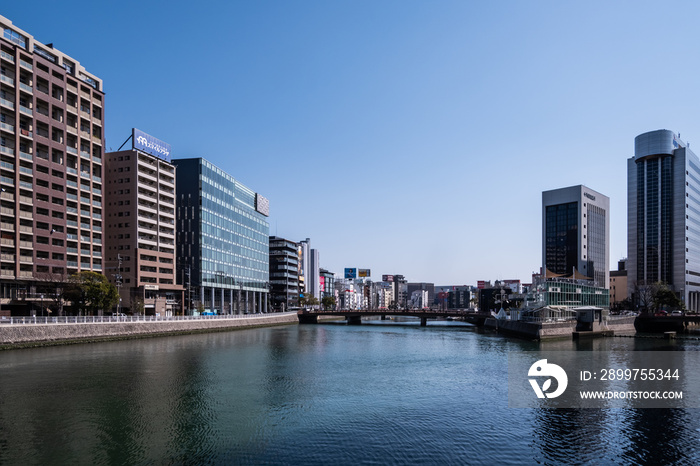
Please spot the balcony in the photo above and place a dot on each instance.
(26, 88)
(7, 80)
(6, 56)
(7, 103)
(7, 150)
(7, 127)
(26, 111)
(26, 65)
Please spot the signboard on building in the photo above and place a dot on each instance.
(387, 278)
(262, 205)
(481, 284)
(363, 273)
(147, 143)
(350, 273)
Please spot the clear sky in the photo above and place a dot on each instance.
(407, 137)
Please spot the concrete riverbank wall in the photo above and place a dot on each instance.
(552, 330)
(28, 335)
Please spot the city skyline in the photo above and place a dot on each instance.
(406, 138)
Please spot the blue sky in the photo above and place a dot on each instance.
(408, 137)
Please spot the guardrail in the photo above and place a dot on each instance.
(44, 320)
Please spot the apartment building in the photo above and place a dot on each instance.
(140, 227)
(51, 169)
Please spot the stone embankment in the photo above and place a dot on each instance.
(18, 335)
(555, 330)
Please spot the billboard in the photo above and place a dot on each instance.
(350, 273)
(387, 278)
(481, 284)
(147, 143)
(363, 273)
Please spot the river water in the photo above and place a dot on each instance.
(315, 394)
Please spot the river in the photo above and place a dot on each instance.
(315, 394)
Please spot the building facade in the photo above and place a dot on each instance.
(222, 238)
(313, 277)
(305, 265)
(429, 287)
(618, 285)
(140, 231)
(576, 234)
(663, 216)
(51, 149)
(326, 283)
(284, 273)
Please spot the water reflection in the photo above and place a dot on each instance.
(326, 394)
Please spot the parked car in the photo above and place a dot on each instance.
(677, 313)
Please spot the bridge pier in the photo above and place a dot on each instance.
(353, 320)
(308, 318)
(423, 321)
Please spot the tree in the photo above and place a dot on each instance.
(308, 300)
(137, 306)
(644, 294)
(654, 296)
(328, 302)
(664, 296)
(90, 292)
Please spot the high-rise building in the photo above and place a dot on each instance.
(576, 234)
(305, 266)
(140, 226)
(663, 216)
(314, 275)
(222, 239)
(284, 273)
(51, 149)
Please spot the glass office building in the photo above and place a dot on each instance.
(576, 234)
(663, 216)
(222, 240)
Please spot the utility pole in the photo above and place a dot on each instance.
(118, 281)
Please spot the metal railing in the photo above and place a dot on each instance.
(44, 320)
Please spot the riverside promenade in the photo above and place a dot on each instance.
(23, 332)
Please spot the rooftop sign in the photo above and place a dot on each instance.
(147, 143)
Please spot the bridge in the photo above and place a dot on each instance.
(655, 323)
(354, 317)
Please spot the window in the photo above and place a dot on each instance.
(15, 37)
